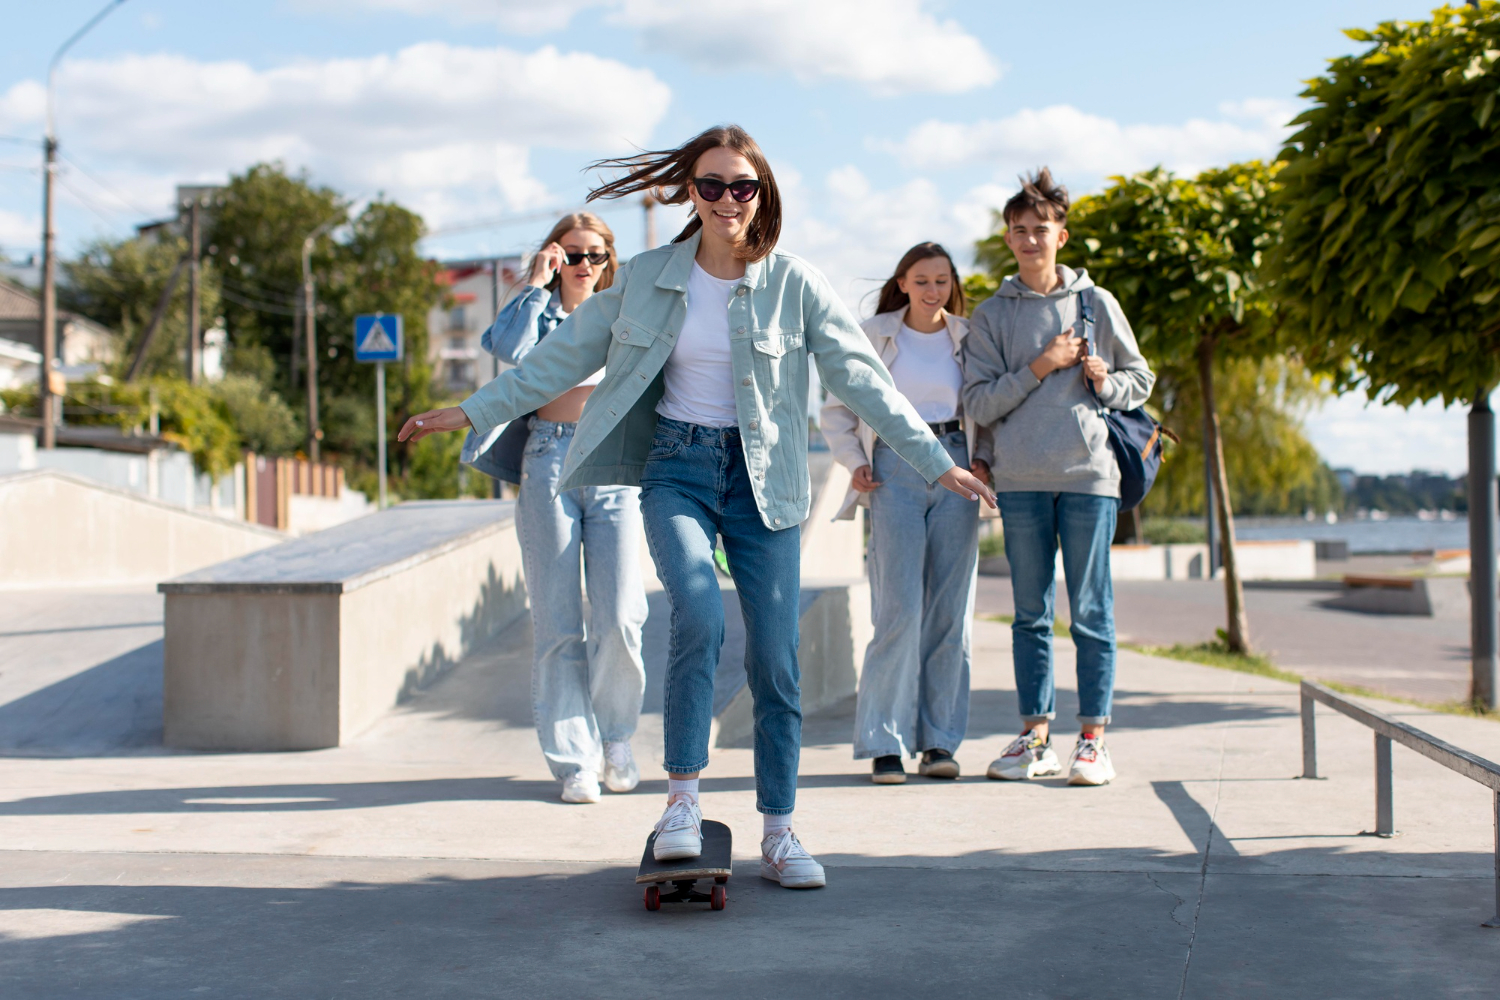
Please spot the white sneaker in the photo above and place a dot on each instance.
(783, 859)
(581, 786)
(1028, 756)
(679, 832)
(1090, 763)
(620, 772)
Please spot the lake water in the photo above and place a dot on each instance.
(1397, 534)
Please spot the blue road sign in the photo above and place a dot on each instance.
(377, 337)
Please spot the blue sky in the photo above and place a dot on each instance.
(888, 121)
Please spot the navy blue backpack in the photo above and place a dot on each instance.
(1134, 435)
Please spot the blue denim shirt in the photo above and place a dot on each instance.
(782, 316)
(519, 327)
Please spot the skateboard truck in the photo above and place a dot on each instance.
(685, 873)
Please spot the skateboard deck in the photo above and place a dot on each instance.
(684, 873)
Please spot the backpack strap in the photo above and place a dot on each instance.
(1083, 325)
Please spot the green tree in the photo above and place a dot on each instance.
(1182, 255)
(1274, 467)
(119, 284)
(367, 261)
(1389, 266)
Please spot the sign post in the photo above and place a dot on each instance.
(378, 338)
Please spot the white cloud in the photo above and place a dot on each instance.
(888, 46)
(1078, 143)
(1385, 440)
(19, 234)
(448, 127)
(855, 233)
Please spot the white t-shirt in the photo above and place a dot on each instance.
(699, 377)
(927, 373)
(593, 379)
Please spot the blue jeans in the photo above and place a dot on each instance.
(924, 545)
(695, 486)
(585, 691)
(1034, 522)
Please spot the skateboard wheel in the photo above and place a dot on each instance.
(653, 897)
(717, 897)
(721, 879)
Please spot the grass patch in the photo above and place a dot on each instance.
(1218, 654)
(992, 545)
(1059, 627)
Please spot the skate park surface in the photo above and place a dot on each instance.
(430, 855)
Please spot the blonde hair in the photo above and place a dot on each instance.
(591, 222)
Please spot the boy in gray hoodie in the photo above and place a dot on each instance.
(1032, 376)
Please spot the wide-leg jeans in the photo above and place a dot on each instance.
(586, 684)
(695, 487)
(923, 552)
(1034, 524)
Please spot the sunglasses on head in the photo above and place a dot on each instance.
(574, 259)
(712, 190)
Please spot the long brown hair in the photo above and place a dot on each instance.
(668, 172)
(892, 298)
(591, 222)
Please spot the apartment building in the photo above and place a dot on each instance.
(477, 288)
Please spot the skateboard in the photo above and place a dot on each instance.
(684, 873)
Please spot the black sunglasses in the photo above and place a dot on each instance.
(712, 190)
(574, 259)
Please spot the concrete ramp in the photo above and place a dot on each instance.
(304, 645)
(57, 530)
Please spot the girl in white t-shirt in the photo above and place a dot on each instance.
(914, 688)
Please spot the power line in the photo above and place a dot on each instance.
(106, 187)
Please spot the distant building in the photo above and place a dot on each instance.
(476, 290)
(83, 345)
(1347, 478)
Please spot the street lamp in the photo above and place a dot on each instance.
(49, 237)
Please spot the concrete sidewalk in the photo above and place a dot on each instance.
(431, 858)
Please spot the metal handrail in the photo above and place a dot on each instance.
(1387, 730)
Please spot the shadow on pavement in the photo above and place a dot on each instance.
(108, 710)
(889, 927)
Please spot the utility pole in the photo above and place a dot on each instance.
(49, 296)
(309, 311)
(48, 405)
(649, 202)
(195, 301)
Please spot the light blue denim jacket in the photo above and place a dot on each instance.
(782, 311)
(519, 327)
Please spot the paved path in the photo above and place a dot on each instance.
(430, 857)
(1402, 655)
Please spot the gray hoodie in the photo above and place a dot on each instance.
(1049, 435)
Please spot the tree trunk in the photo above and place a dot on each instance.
(1238, 630)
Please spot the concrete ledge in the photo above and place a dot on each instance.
(57, 530)
(303, 646)
(833, 631)
(1426, 596)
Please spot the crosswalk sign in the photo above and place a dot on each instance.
(377, 337)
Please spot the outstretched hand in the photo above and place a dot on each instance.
(967, 485)
(449, 418)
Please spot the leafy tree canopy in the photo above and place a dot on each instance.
(1389, 264)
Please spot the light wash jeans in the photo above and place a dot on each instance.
(1034, 522)
(584, 691)
(924, 549)
(696, 486)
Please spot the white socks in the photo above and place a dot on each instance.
(774, 824)
(684, 786)
(688, 788)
